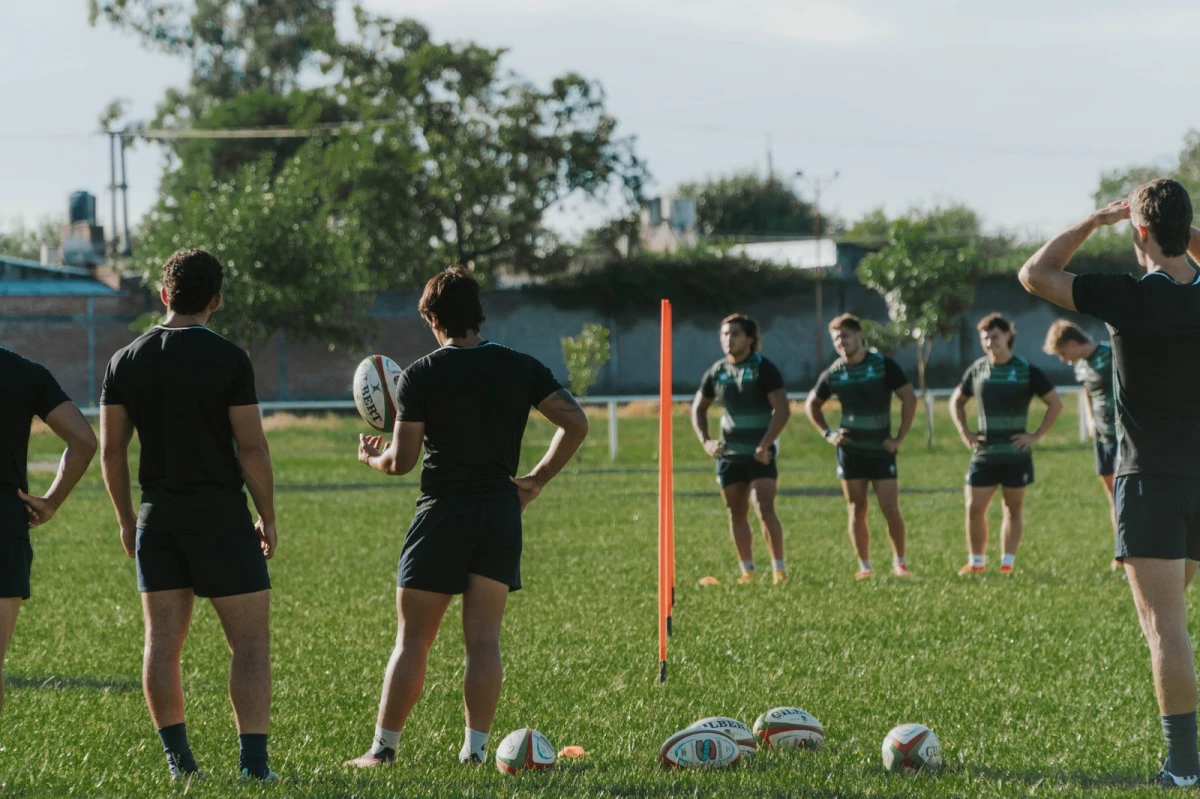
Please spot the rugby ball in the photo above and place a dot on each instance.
(911, 747)
(742, 735)
(699, 748)
(375, 383)
(524, 750)
(789, 728)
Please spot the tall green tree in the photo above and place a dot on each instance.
(928, 283)
(745, 204)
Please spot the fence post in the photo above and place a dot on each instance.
(612, 429)
(1084, 433)
(91, 350)
(929, 414)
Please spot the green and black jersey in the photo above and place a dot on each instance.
(1095, 374)
(865, 391)
(1003, 391)
(742, 389)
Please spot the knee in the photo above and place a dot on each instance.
(890, 510)
(858, 509)
(977, 510)
(738, 509)
(483, 647)
(765, 510)
(1013, 510)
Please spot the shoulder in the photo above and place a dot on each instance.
(766, 363)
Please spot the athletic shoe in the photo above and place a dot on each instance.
(183, 768)
(747, 577)
(901, 570)
(780, 576)
(469, 758)
(1166, 779)
(863, 574)
(381, 758)
(1006, 569)
(270, 776)
(969, 569)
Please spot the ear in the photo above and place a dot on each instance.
(162, 295)
(1142, 232)
(216, 303)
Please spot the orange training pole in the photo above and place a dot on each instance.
(664, 574)
(668, 370)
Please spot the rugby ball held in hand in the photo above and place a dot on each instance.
(741, 734)
(911, 747)
(524, 750)
(789, 728)
(375, 383)
(699, 748)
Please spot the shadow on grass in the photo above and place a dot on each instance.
(52, 683)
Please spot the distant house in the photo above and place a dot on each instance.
(20, 277)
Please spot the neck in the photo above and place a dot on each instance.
(185, 320)
(738, 358)
(471, 339)
(998, 360)
(1177, 268)
(857, 357)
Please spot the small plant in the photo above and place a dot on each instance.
(585, 355)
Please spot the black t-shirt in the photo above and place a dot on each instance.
(1155, 329)
(864, 390)
(177, 385)
(742, 389)
(474, 402)
(27, 389)
(1002, 393)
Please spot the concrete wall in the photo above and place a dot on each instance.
(55, 332)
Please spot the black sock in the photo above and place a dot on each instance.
(175, 745)
(254, 754)
(1183, 757)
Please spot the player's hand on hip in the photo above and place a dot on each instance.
(528, 488)
(837, 437)
(268, 536)
(971, 441)
(1112, 213)
(891, 445)
(713, 448)
(129, 540)
(762, 454)
(39, 510)
(369, 447)
(1024, 441)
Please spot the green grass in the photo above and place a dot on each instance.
(1037, 685)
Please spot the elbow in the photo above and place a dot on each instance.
(85, 445)
(1025, 276)
(578, 427)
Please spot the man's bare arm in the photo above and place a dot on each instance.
(908, 410)
(68, 424)
(780, 413)
(254, 454)
(561, 409)
(1043, 275)
(958, 410)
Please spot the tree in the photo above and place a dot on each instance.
(25, 242)
(955, 223)
(744, 204)
(291, 265)
(928, 282)
(585, 356)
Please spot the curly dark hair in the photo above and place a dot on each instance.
(191, 279)
(1165, 207)
(452, 298)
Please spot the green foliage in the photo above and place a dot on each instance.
(954, 224)
(585, 355)
(290, 264)
(744, 204)
(632, 287)
(20, 241)
(888, 339)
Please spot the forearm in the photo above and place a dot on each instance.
(959, 414)
(118, 482)
(908, 412)
(260, 480)
(71, 468)
(700, 424)
(1056, 253)
(779, 420)
(562, 448)
(816, 415)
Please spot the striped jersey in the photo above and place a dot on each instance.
(1002, 393)
(1095, 374)
(864, 390)
(742, 390)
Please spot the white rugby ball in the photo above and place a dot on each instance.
(789, 728)
(375, 383)
(742, 735)
(911, 747)
(699, 748)
(524, 750)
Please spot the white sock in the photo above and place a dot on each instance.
(385, 739)
(747, 566)
(474, 743)
(864, 565)
(1008, 559)
(898, 560)
(978, 561)
(778, 564)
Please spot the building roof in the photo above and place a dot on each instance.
(55, 288)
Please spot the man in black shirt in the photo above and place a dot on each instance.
(29, 390)
(1154, 324)
(190, 396)
(468, 402)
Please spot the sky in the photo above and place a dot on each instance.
(1014, 109)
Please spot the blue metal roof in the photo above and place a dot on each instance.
(55, 288)
(25, 263)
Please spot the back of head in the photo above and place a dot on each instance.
(1164, 207)
(452, 298)
(191, 279)
(1062, 332)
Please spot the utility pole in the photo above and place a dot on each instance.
(113, 244)
(818, 182)
(127, 250)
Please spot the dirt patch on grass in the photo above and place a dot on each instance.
(290, 421)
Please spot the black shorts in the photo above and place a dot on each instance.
(212, 564)
(1106, 457)
(865, 465)
(1013, 474)
(733, 472)
(451, 538)
(1157, 517)
(16, 560)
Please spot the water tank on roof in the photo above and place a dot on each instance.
(82, 207)
(683, 214)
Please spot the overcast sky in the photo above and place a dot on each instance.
(1014, 108)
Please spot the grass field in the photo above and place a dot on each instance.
(1037, 685)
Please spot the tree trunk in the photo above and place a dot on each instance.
(924, 348)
